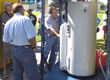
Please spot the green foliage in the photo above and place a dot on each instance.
(100, 44)
(103, 6)
(38, 38)
(55, 3)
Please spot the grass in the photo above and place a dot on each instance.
(100, 44)
(38, 38)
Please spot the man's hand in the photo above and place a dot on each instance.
(54, 32)
(33, 42)
(35, 49)
(58, 35)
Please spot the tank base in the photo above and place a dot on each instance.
(79, 77)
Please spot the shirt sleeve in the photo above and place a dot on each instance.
(29, 29)
(48, 23)
(5, 35)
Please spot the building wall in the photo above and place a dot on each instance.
(1, 11)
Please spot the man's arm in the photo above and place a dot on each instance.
(33, 42)
(54, 32)
(30, 32)
(6, 37)
(3, 19)
(48, 26)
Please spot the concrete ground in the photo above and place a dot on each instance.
(57, 74)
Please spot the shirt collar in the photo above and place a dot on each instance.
(17, 14)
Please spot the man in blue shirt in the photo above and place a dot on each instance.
(20, 33)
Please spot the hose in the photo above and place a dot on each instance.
(100, 63)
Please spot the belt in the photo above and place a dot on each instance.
(25, 46)
(29, 46)
(50, 34)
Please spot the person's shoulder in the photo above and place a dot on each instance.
(33, 15)
(25, 18)
(4, 14)
(48, 17)
(10, 21)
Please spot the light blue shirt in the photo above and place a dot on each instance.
(18, 30)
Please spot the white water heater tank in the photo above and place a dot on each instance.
(81, 39)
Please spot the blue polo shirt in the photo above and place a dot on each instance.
(18, 30)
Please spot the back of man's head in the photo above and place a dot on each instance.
(17, 7)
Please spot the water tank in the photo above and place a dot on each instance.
(81, 39)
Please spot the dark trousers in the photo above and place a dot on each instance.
(51, 46)
(24, 61)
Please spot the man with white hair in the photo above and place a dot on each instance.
(6, 48)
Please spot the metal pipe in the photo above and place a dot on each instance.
(66, 9)
(60, 12)
(42, 37)
(108, 45)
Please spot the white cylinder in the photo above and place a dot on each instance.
(63, 47)
(81, 43)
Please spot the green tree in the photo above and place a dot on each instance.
(55, 3)
(103, 6)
